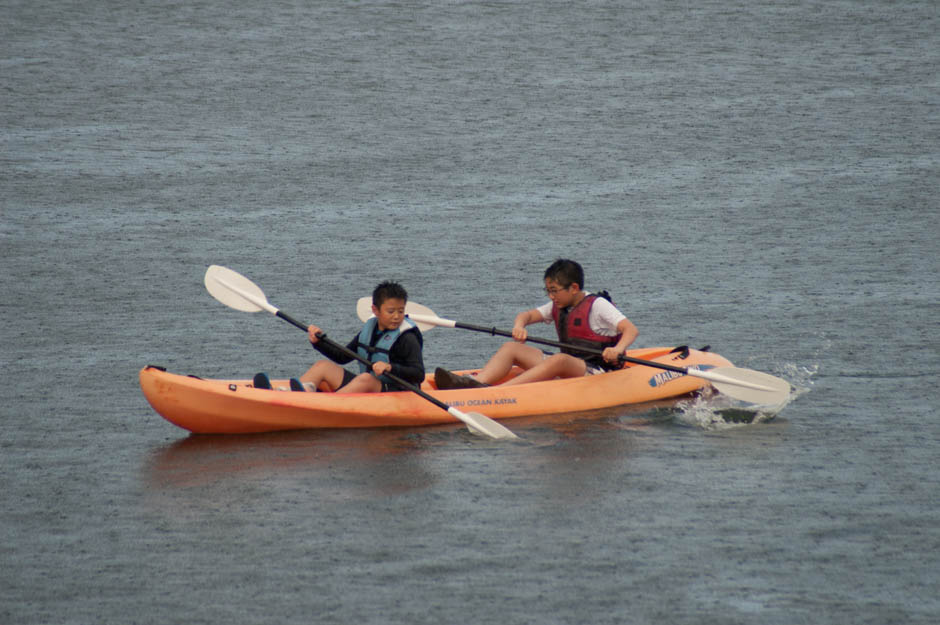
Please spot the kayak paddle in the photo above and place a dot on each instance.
(747, 385)
(238, 292)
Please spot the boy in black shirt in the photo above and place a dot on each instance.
(389, 340)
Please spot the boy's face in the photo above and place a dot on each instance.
(560, 295)
(390, 314)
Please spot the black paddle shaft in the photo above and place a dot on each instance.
(586, 350)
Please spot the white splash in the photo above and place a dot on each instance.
(711, 410)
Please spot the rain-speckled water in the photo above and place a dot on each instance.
(760, 177)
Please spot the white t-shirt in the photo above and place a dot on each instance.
(603, 319)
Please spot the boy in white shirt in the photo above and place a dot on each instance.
(581, 318)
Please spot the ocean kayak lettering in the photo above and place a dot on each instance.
(499, 401)
(664, 376)
(661, 378)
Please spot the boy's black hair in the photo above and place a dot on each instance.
(565, 272)
(388, 290)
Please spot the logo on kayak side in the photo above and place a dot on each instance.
(665, 376)
(485, 402)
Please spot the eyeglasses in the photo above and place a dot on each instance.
(554, 291)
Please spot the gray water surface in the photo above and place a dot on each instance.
(760, 177)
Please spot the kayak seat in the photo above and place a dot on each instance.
(261, 380)
(682, 350)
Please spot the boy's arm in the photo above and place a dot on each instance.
(628, 333)
(526, 317)
(612, 317)
(407, 360)
(334, 354)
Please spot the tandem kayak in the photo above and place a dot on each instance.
(216, 406)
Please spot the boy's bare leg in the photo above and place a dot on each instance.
(324, 371)
(362, 383)
(556, 366)
(508, 355)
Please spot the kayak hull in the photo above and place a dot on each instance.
(216, 406)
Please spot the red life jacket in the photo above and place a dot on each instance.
(574, 328)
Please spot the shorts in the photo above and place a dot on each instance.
(348, 376)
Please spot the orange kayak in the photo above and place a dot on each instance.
(235, 407)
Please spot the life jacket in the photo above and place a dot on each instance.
(574, 328)
(383, 344)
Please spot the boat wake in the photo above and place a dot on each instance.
(711, 410)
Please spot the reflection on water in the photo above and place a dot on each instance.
(340, 464)
(571, 458)
(348, 464)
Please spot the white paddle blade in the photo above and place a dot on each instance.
(364, 312)
(754, 387)
(234, 290)
(432, 320)
(482, 425)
